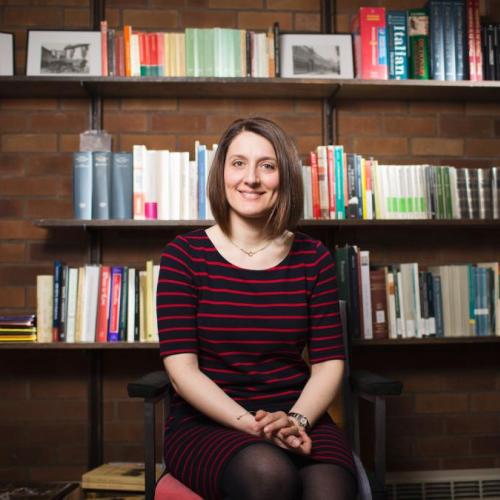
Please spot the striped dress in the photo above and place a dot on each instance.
(248, 329)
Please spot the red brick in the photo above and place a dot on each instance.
(69, 388)
(71, 455)
(13, 434)
(468, 463)
(151, 141)
(235, 4)
(435, 446)
(437, 147)
(37, 186)
(48, 252)
(485, 108)
(305, 144)
(151, 19)
(149, 104)
(415, 426)
(486, 445)
(39, 17)
(11, 164)
(206, 19)
(116, 452)
(77, 18)
(20, 230)
(17, 275)
(127, 410)
(469, 126)
(11, 252)
(410, 126)
(385, 107)
(11, 208)
(381, 146)
(248, 107)
(29, 104)
(472, 424)
(482, 147)
(425, 382)
(67, 121)
(48, 164)
(126, 122)
(308, 106)
(208, 105)
(29, 142)
(69, 142)
(409, 463)
(31, 455)
(307, 5)
(13, 122)
(299, 124)
(51, 433)
(485, 402)
(48, 208)
(441, 403)
(343, 23)
(307, 22)
(470, 380)
(54, 412)
(12, 296)
(114, 18)
(119, 432)
(263, 20)
(11, 388)
(420, 107)
(359, 125)
(179, 123)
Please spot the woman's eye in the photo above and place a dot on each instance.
(238, 163)
(268, 166)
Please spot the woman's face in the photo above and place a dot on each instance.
(251, 176)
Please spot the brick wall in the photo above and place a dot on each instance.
(449, 415)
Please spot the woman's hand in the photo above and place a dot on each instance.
(283, 431)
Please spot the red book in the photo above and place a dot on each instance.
(153, 54)
(315, 186)
(101, 331)
(477, 41)
(370, 47)
(143, 57)
(471, 42)
(104, 48)
(331, 182)
(114, 304)
(127, 37)
(119, 55)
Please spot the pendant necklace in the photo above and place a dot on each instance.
(250, 253)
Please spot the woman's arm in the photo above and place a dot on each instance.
(205, 395)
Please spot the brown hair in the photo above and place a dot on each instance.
(289, 204)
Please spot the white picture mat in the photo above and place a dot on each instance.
(6, 54)
(37, 39)
(337, 49)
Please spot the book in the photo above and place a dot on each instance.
(418, 35)
(120, 476)
(115, 291)
(397, 44)
(436, 41)
(82, 185)
(379, 303)
(101, 184)
(101, 334)
(121, 185)
(44, 309)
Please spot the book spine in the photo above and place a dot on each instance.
(121, 185)
(277, 53)
(101, 184)
(339, 182)
(379, 304)
(459, 17)
(331, 181)
(321, 155)
(353, 200)
(44, 307)
(139, 157)
(104, 48)
(113, 333)
(101, 334)
(111, 52)
(436, 30)
(63, 311)
(315, 185)
(471, 44)
(449, 42)
(202, 172)
(82, 185)
(397, 44)
(477, 41)
(127, 43)
(418, 34)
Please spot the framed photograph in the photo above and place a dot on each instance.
(316, 56)
(63, 53)
(6, 54)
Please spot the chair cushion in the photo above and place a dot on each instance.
(169, 488)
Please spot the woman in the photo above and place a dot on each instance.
(236, 305)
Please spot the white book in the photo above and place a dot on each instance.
(364, 259)
(131, 304)
(89, 306)
(414, 191)
(408, 299)
(422, 192)
(369, 192)
(175, 185)
(401, 322)
(385, 183)
(464, 300)
(139, 157)
(455, 203)
(156, 275)
(193, 190)
(79, 304)
(184, 194)
(419, 322)
(306, 179)
(152, 167)
(44, 307)
(135, 60)
(210, 159)
(391, 303)
(403, 194)
(377, 190)
(164, 185)
(71, 298)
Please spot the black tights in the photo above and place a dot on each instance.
(262, 471)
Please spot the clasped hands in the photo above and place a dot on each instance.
(283, 431)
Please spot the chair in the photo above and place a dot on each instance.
(155, 387)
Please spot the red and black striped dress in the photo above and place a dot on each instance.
(248, 329)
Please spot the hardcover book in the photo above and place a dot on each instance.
(397, 44)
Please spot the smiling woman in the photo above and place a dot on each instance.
(236, 305)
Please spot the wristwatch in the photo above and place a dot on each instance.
(301, 420)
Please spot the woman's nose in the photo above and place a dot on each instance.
(251, 176)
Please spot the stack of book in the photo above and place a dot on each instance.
(18, 328)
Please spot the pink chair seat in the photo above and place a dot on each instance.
(169, 488)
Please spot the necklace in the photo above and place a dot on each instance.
(250, 253)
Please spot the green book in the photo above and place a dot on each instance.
(189, 51)
(418, 34)
(448, 211)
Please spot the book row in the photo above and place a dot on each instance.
(18, 328)
(167, 185)
(196, 52)
(443, 41)
(409, 301)
(97, 303)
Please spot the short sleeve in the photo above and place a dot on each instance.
(325, 327)
(176, 300)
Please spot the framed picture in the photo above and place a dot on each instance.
(6, 54)
(316, 56)
(63, 53)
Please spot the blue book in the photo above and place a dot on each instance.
(338, 157)
(82, 185)
(436, 31)
(56, 301)
(116, 280)
(460, 23)
(121, 186)
(450, 71)
(101, 184)
(202, 171)
(397, 44)
(437, 299)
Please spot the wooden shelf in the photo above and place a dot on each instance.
(429, 341)
(277, 88)
(78, 345)
(151, 224)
